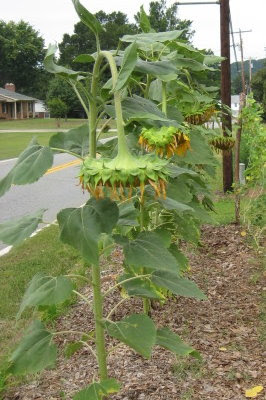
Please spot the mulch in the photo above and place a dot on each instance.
(226, 329)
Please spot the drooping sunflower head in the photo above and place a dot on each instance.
(118, 178)
(199, 117)
(222, 143)
(166, 141)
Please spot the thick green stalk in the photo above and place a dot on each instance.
(146, 302)
(164, 98)
(98, 316)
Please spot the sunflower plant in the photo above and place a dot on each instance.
(144, 194)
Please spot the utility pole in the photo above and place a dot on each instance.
(226, 91)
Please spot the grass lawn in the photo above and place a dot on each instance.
(39, 123)
(44, 252)
(13, 143)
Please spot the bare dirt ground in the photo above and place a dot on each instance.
(226, 329)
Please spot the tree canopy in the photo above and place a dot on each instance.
(22, 53)
(83, 41)
(163, 18)
(258, 85)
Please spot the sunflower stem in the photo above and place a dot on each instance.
(164, 98)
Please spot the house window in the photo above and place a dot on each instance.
(30, 108)
(235, 105)
(4, 108)
(18, 107)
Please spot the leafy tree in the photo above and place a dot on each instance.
(22, 53)
(83, 41)
(58, 109)
(163, 18)
(259, 88)
(60, 89)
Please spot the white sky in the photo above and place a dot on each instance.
(53, 18)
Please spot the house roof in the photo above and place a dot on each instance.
(4, 93)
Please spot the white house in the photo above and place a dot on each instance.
(235, 103)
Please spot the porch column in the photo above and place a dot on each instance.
(21, 110)
(27, 106)
(33, 109)
(15, 110)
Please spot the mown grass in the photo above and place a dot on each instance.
(43, 252)
(13, 143)
(39, 123)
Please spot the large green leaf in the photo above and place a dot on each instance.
(127, 66)
(175, 171)
(97, 390)
(35, 352)
(181, 259)
(81, 227)
(128, 214)
(137, 108)
(46, 290)
(177, 285)
(200, 152)
(178, 190)
(137, 331)
(147, 251)
(156, 67)
(144, 21)
(52, 67)
(140, 287)
(187, 227)
(155, 91)
(84, 58)
(15, 231)
(171, 341)
(171, 204)
(87, 18)
(152, 37)
(75, 140)
(32, 163)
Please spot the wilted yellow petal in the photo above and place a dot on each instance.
(252, 393)
(223, 349)
(243, 233)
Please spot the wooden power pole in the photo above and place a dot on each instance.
(226, 91)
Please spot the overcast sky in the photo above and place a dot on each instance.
(53, 18)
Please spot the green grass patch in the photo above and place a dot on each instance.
(39, 123)
(44, 252)
(224, 211)
(13, 143)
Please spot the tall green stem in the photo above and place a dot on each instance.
(98, 316)
(122, 144)
(146, 302)
(164, 98)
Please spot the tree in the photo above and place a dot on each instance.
(83, 41)
(258, 85)
(59, 88)
(58, 109)
(163, 18)
(22, 53)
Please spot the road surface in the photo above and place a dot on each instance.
(56, 190)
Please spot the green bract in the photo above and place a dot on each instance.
(117, 177)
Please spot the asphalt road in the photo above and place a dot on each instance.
(54, 191)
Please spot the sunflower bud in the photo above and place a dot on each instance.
(200, 117)
(222, 143)
(166, 141)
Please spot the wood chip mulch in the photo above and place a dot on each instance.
(225, 329)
